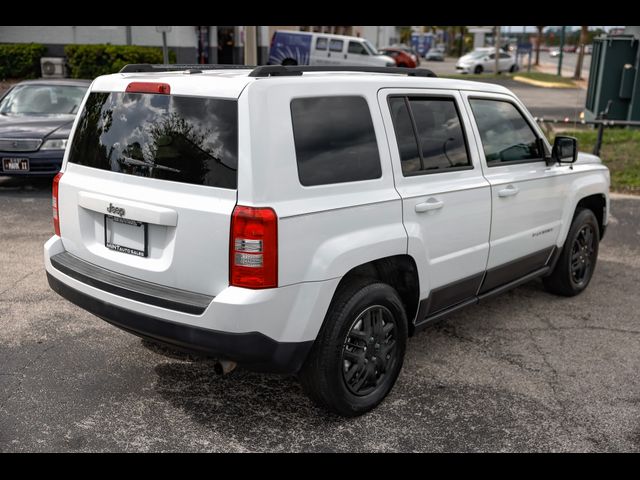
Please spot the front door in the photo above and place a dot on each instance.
(446, 200)
(357, 54)
(527, 195)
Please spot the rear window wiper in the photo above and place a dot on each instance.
(141, 163)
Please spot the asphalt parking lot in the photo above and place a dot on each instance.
(526, 371)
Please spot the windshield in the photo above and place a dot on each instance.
(370, 48)
(168, 137)
(42, 100)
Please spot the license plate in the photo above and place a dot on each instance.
(126, 236)
(15, 164)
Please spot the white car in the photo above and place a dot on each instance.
(482, 60)
(308, 221)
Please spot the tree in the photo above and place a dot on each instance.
(538, 42)
(584, 32)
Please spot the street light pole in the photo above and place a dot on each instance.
(561, 51)
(497, 50)
(165, 50)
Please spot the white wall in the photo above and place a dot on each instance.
(380, 35)
(180, 36)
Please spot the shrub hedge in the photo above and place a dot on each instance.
(90, 61)
(20, 60)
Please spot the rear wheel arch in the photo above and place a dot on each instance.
(397, 271)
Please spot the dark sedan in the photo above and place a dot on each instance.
(35, 120)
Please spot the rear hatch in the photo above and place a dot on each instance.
(150, 186)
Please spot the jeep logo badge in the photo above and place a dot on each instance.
(115, 210)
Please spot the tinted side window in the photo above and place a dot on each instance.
(440, 138)
(321, 43)
(336, 45)
(357, 48)
(506, 136)
(505, 55)
(405, 135)
(334, 140)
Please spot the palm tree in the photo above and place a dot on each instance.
(584, 32)
(538, 42)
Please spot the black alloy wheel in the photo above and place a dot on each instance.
(582, 256)
(369, 351)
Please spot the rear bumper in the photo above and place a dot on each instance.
(252, 350)
(263, 330)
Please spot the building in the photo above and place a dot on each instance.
(192, 44)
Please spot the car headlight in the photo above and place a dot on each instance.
(54, 144)
(391, 64)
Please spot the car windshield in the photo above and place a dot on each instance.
(42, 100)
(370, 48)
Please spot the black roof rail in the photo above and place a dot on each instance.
(296, 70)
(193, 68)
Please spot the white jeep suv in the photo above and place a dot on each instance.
(307, 220)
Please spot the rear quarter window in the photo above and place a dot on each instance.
(334, 140)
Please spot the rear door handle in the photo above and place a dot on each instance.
(510, 191)
(431, 204)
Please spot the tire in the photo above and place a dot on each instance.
(567, 278)
(514, 68)
(478, 70)
(289, 61)
(342, 376)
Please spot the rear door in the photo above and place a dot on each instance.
(446, 200)
(150, 185)
(336, 54)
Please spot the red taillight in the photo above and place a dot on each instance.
(253, 250)
(54, 203)
(148, 87)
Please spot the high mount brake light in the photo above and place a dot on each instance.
(149, 87)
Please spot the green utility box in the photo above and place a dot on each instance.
(614, 76)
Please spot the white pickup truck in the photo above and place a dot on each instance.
(307, 220)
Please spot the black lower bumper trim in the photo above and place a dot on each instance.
(254, 350)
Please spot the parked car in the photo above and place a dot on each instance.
(35, 119)
(311, 48)
(409, 51)
(308, 223)
(588, 49)
(482, 60)
(555, 52)
(435, 54)
(401, 58)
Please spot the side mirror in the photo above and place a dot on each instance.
(565, 149)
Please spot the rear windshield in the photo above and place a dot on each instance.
(181, 139)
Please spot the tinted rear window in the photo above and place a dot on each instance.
(181, 139)
(334, 139)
